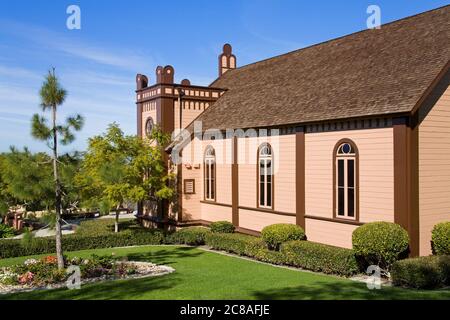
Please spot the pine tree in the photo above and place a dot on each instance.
(52, 96)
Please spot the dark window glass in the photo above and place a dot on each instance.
(340, 173)
(351, 173)
(261, 194)
(351, 202)
(346, 148)
(269, 194)
(341, 201)
(261, 171)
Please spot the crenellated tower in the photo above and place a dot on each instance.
(174, 105)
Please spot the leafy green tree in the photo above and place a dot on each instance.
(6, 200)
(26, 179)
(118, 168)
(52, 96)
(69, 166)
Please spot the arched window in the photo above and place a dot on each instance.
(265, 176)
(346, 180)
(149, 124)
(232, 62)
(224, 62)
(210, 174)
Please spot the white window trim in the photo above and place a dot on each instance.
(210, 160)
(346, 158)
(265, 159)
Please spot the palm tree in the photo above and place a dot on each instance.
(52, 96)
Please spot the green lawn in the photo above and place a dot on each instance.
(205, 275)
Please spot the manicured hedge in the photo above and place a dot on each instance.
(380, 243)
(275, 234)
(73, 242)
(320, 257)
(304, 254)
(240, 244)
(106, 226)
(422, 273)
(440, 238)
(222, 227)
(194, 236)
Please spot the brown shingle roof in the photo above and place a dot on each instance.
(372, 72)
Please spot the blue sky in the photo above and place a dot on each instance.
(98, 64)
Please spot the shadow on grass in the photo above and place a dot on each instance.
(122, 289)
(166, 256)
(347, 291)
(114, 290)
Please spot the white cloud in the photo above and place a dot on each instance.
(16, 72)
(121, 58)
(98, 78)
(11, 95)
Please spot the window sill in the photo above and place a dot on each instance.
(336, 220)
(215, 203)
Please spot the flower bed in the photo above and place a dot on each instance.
(44, 274)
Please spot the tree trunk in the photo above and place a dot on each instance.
(59, 251)
(116, 224)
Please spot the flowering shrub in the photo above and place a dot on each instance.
(45, 271)
(30, 261)
(7, 277)
(26, 278)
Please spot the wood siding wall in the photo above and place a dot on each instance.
(434, 168)
(376, 182)
(376, 175)
(332, 233)
(256, 220)
(190, 111)
(191, 202)
(284, 171)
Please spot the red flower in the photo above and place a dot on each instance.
(50, 259)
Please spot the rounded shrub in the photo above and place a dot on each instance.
(222, 227)
(275, 234)
(380, 243)
(440, 238)
(422, 273)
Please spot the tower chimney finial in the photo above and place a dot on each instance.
(227, 60)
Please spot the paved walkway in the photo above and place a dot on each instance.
(72, 224)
